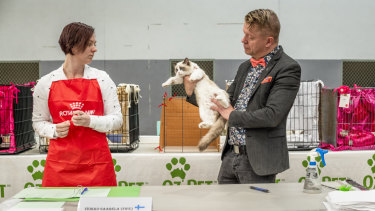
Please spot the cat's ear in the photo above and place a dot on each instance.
(186, 61)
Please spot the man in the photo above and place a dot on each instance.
(262, 94)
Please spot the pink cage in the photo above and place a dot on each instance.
(355, 120)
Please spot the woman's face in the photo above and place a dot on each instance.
(87, 55)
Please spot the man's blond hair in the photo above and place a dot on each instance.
(266, 20)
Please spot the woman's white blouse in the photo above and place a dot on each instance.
(111, 119)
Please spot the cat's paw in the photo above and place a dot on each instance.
(202, 146)
(222, 101)
(204, 125)
(165, 85)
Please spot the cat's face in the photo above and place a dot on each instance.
(185, 67)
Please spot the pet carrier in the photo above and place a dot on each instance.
(127, 137)
(355, 109)
(16, 106)
(179, 127)
(303, 119)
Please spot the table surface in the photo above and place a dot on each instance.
(282, 196)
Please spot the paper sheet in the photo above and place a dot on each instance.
(39, 204)
(48, 193)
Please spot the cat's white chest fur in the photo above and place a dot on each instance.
(206, 90)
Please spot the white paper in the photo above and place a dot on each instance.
(344, 101)
(120, 203)
(48, 193)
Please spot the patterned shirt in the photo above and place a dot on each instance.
(237, 135)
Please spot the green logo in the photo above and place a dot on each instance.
(177, 169)
(368, 180)
(117, 167)
(371, 163)
(2, 187)
(318, 160)
(174, 169)
(36, 170)
(124, 183)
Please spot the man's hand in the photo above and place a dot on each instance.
(80, 118)
(189, 85)
(224, 112)
(62, 129)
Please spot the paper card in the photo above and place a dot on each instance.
(344, 101)
(115, 203)
(41, 205)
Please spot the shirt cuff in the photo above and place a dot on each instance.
(93, 121)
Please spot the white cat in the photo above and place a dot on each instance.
(205, 89)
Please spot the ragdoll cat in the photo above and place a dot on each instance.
(205, 89)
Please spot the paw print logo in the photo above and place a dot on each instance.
(33, 169)
(174, 169)
(117, 167)
(371, 163)
(318, 160)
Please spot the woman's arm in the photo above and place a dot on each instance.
(42, 121)
(112, 116)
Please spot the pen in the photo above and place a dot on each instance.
(259, 189)
(83, 191)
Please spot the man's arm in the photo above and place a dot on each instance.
(189, 89)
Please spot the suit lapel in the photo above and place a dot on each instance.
(241, 82)
(267, 70)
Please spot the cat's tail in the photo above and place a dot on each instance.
(212, 133)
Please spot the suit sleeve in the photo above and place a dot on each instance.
(279, 101)
(192, 99)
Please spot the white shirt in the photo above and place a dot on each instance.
(112, 116)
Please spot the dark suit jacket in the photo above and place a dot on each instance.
(266, 113)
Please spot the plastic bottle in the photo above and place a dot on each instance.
(312, 180)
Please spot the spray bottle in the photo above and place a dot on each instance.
(312, 180)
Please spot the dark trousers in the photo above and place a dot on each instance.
(236, 169)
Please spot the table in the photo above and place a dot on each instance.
(147, 167)
(282, 196)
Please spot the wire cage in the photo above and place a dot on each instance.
(16, 106)
(126, 138)
(179, 131)
(302, 128)
(303, 119)
(356, 119)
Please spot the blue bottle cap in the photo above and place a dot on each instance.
(312, 163)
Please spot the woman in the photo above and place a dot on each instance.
(74, 106)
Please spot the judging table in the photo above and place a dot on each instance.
(282, 196)
(146, 166)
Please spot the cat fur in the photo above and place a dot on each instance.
(205, 90)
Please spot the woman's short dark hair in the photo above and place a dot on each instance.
(75, 34)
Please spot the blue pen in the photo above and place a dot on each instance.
(84, 190)
(259, 189)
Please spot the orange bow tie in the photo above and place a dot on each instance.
(255, 62)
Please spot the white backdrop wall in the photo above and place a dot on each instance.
(164, 29)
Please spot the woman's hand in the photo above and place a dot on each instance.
(62, 129)
(80, 118)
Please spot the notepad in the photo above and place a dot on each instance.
(47, 193)
(60, 194)
(38, 204)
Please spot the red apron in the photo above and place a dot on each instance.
(82, 157)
